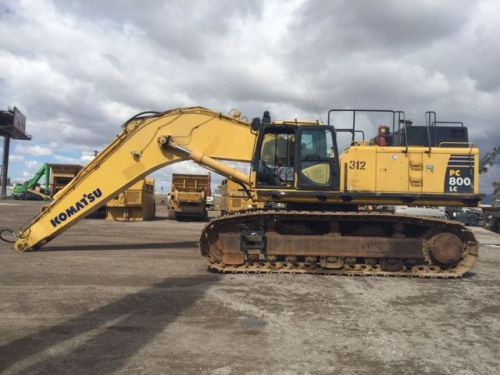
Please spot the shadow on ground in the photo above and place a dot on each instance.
(129, 246)
(102, 340)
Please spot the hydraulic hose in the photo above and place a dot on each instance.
(11, 232)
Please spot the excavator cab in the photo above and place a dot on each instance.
(293, 155)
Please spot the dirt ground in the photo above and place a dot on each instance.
(132, 298)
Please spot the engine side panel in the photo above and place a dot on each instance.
(417, 170)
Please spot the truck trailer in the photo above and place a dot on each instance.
(188, 198)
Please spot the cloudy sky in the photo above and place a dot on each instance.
(78, 69)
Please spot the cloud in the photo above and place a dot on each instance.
(87, 156)
(79, 69)
(32, 150)
(181, 27)
(367, 27)
(16, 158)
(31, 163)
(66, 159)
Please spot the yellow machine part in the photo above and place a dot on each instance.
(234, 198)
(187, 204)
(137, 203)
(144, 146)
(190, 182)
(369, 175)
(188, 196)
(61, 175)
(318, 236)
(408, 170)
(375, 175)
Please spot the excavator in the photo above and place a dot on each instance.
(31, 190)
(55, 176)
(318, 218)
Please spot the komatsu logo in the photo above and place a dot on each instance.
(73, 209)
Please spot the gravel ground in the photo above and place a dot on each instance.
(131, 298)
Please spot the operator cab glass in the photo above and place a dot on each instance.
(318, 165)
(297, 156)
(276, 159)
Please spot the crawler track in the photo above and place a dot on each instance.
(338, 243)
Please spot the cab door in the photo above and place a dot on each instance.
(317, 158)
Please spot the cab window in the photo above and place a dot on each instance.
(276, 159)
(317, 158)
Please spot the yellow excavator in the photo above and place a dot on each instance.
(317, 218)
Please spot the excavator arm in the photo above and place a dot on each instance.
(44, 171)
(149, 141)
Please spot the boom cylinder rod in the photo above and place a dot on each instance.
(206, 161)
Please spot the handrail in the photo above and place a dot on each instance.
(429, 115)
(353, 130)
(468, 144)
(448, 123)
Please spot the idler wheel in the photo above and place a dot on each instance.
(446, 248)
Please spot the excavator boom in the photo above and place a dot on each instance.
(148, 142)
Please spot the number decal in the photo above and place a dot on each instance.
(459, 180)
(357, 164)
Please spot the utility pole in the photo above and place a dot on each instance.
(5, 165)
(12, 126)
